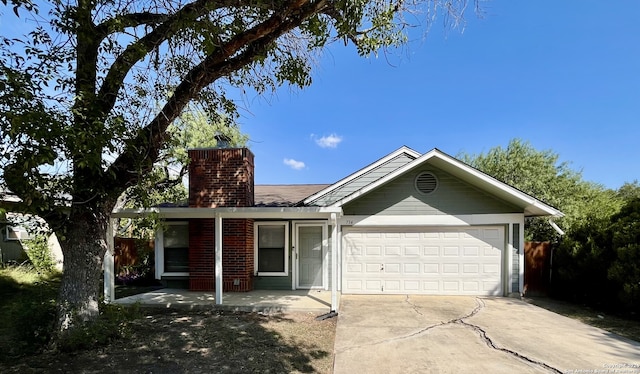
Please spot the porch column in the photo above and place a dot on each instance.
(520, 240)
(509, 260)
(334, 263)
(108, 265)
(218, 260)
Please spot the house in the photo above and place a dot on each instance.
(409, 223)
(16, 229)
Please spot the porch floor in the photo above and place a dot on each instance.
(266, 301)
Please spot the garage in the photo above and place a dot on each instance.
(423, 260)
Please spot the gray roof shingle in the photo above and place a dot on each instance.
(280, 195)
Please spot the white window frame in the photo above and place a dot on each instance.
(256, 240)
(16, 233)
(160, 251)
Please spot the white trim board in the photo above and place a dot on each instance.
(432, 220)
(366, 169)
(520, 197)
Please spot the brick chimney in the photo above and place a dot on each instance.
(221, 177)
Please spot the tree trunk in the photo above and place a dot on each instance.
(83, 244)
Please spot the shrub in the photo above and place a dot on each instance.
(39, 253)
(625, 240)
(598, 262)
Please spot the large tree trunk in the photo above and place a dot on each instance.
(83, 244)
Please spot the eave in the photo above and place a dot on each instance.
(226, 212)
(531, 206)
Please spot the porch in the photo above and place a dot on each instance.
(265, 301)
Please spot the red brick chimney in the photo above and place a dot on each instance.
(221, 177)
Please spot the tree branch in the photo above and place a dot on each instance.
(31, 201)
(354, 35)
(136, 51)
(122, 22)
(238, 52)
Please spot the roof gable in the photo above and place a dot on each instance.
(363, 177)
(530, 205)
(452, 196)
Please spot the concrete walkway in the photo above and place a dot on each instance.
(432, 334)
(253, 301)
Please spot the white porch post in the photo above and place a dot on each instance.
(109, 264)
(218, 249)
(334, 263)
(509, 259)
(521, 254)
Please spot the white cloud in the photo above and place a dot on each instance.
(293, 164)
(330, 141)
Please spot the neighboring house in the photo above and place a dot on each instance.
(11, 250)
(15, 229)
(408, 223)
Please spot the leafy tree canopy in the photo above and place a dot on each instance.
(164, 184)
(625, 241)
(541, 174)
(629, 191)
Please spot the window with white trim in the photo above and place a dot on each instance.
(176, 247)
(271, 248)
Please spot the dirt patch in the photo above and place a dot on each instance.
(203, 342)
(627, 327)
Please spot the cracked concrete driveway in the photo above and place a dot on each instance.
(459, 334)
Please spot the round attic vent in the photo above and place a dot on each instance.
(426, 182)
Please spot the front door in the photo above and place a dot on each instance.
(310, 254)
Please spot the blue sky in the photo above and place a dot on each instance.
(563, 75)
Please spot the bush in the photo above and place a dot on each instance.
(580, 263)
(39, 253)
(625, 241)
(598, 263)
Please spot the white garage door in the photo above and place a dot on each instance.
(430, 261)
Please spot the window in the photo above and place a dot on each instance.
(16, 233)
(176, 247)
(271, 248)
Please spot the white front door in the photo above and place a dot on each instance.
(309, 250)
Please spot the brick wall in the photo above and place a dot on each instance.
(221, 178)
(237, 255)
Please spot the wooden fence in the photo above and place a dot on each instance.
(537, 270)
(128, 252)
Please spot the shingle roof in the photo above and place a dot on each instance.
(277, 195)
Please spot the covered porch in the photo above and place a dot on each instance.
(325, 300)
(264, 301)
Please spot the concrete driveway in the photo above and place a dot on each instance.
(458, 334)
